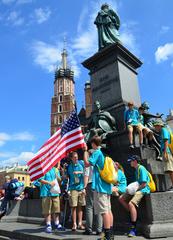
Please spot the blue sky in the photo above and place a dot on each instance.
(31, 41)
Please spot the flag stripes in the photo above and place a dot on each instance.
(66, 139)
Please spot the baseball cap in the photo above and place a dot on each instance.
(133, 158)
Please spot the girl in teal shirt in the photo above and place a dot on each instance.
(121, 185)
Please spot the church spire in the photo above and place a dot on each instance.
(64, 55)
(64, 70)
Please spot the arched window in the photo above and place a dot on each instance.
(60, 98)
(55, 120)
(59, 108)
(67, 90)
(60, 119)
(61, 85)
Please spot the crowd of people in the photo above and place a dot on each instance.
(134, 120)
(78, 183)
(12, 189)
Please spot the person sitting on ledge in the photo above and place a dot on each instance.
(165, 140)
(147, 133)
(131, 199)
(131, 121)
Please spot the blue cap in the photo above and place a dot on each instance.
(133, 158)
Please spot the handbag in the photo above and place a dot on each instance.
(56, 188)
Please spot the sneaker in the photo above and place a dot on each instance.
(99, 233)
(170, 189)
(142, 145)
(132, 233)
(131, 146)
(87, 232)
(103, 237)
(48, 229)
(59, 227)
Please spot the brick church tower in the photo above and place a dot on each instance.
(63, 100)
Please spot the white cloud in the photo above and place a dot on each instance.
(81, 19)
(128, 33)
(21, 159)
(164, 52)
(48, 56)
(42, 15)
(164, 29)
(15, 19)
(6, 154)
(85, 44)
(4, 137)
(22, 136)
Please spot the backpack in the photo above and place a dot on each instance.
(151, 183)
(108, 173)
(170, 145)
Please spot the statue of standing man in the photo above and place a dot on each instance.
(108, 23)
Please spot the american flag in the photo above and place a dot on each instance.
(67, 138)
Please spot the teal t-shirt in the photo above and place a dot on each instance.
(141, 174)
(141, 119)
(131, 117)
(45, 188)
(76, 181)
(99, 185)
(122, 182)
(165, 135)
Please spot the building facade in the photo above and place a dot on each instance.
(63, 100)
(169, 119)
(18, 172)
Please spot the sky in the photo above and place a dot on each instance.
(31, 42)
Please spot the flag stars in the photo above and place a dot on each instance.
(70, 124)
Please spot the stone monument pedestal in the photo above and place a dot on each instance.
(155, 215)
(113, 72)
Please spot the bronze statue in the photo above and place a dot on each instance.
(148, 122)
(101, 124)
(108, 24)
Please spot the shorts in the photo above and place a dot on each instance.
(168, 163)
(102, 203)
(135, 199)
(137, 127)
(143, 128)
(77, 198)
(50, 205)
